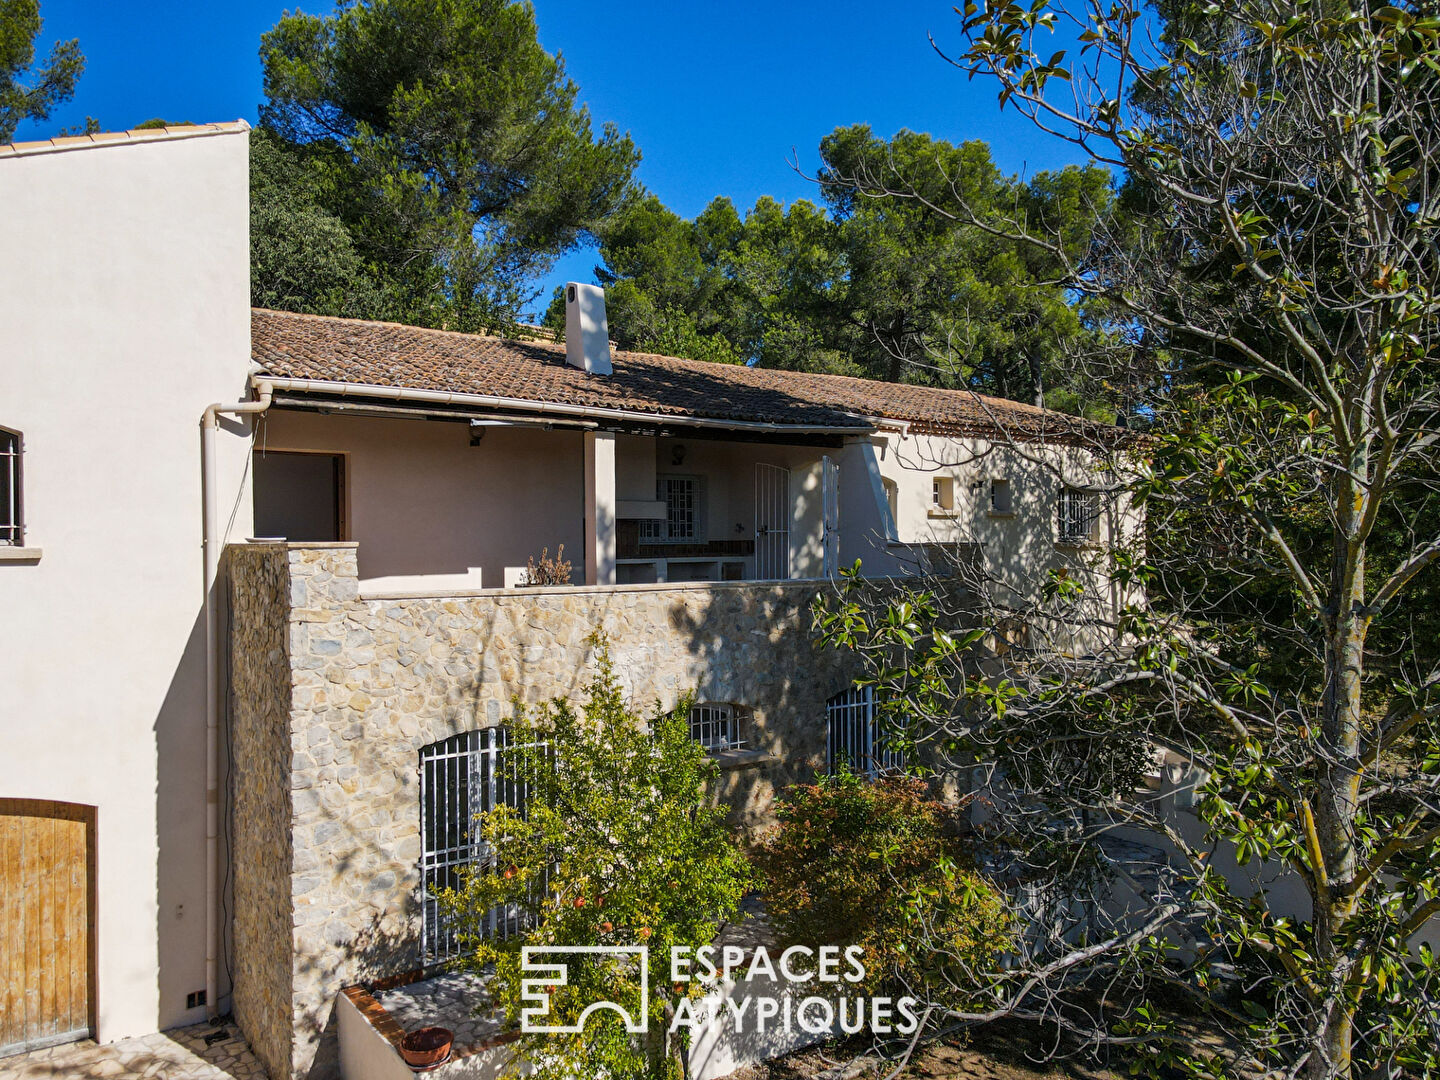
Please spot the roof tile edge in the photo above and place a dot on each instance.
(62, 144)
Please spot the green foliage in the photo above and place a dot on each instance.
(616, 846)
(448, 144)
(1277, 277)
(872, 864)
(28, 92)
(881, 288)
(302, 257)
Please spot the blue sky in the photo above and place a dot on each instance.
(716, 95)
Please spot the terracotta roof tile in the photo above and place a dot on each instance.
(295, 346)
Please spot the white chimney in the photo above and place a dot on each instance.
(587, 335)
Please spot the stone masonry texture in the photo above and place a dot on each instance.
(335, 695)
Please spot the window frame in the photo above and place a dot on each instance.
(943, 499)
(1065, 500)
(657, 530)
(997, 485)
(15, 466)
(735, 722)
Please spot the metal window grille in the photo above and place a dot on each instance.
(772, 522)
(681, 496)
(461, 778)
(852, 735)
(717, 726)
(1079, 515)
(12, 524)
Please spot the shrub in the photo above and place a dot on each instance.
(871, 864)
(614, 847)
(548, 571)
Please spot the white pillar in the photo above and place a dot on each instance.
(599, 508)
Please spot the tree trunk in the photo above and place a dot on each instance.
(1337, 792)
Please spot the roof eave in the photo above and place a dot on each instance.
(402, 394)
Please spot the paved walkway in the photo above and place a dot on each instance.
(170, 1055)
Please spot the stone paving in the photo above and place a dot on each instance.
(180, 1054)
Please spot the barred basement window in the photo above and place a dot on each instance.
(718, 725)
(12, 519)
(461, 778)
(853, 736)
(1079, 516)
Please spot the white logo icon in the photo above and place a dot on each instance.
(535, 990)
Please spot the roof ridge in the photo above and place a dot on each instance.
(402, 326)
(121, 138)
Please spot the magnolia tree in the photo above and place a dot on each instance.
(1270, 632)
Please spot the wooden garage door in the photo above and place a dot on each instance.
(47, 859)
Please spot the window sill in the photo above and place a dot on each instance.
(942, 513)
(1078, 545)
(730, 760)
(20, 554)
(1000, 513)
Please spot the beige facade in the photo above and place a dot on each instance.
(436, 508)
(124, 296)
(124, 293)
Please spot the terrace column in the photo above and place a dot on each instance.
(599, 508)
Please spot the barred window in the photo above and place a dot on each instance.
(12, 522)
(853, 737)
(682, 521)
(1079, 516)
(718, 725)
(462, 778)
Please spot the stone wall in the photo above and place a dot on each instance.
(371, 682)
(262, 859)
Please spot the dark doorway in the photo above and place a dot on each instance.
(300, 497)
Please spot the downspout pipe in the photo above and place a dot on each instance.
(213, 542)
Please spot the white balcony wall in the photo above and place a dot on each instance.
(433, 513)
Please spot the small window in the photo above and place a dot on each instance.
(942, 494)
(1079, 516)
(1000, 500)
(12, 519)
(718, 725)
(682, 521)
(892, 497)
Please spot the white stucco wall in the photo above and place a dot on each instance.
(1018, 547)
(430, 511)
(124, 292)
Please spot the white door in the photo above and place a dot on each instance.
(772, 523)
(830, 499)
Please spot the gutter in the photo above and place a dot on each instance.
(213, 542)
(446, 397)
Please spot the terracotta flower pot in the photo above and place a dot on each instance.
(426, 1046)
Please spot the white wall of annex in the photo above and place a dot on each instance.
(124, 294)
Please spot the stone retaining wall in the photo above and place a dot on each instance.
(372, 681)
